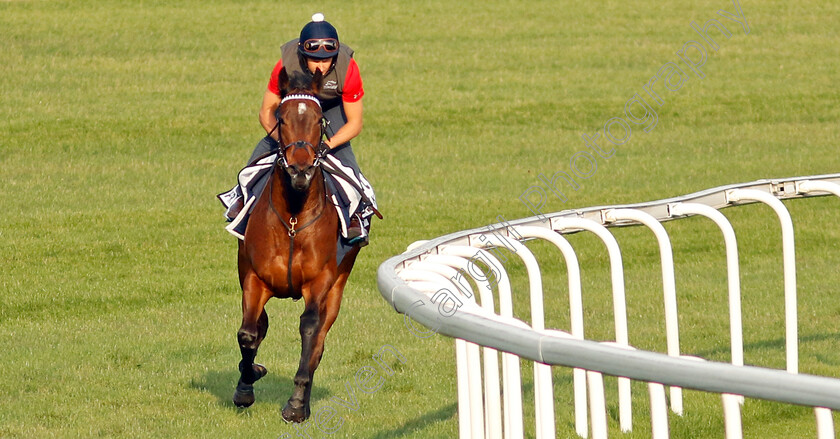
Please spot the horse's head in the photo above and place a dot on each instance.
(301, 128)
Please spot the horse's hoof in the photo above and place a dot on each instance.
(296, 415)
(259, 371)
(244, 395)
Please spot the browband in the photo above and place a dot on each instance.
(301, 96)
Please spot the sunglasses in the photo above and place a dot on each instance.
(314, 45)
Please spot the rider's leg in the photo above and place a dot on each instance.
(265, 145)
(356, 230)
(357, 226)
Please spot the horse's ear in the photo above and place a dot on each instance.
(317, 81)
(283, 81)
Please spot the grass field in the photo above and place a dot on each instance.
(120, 121)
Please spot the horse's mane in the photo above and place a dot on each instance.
(299, 82)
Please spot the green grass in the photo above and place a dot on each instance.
(120, 121)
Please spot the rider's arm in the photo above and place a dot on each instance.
(269, 105)
(353, 112)
(351, 100)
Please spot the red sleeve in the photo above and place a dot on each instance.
(272, 82)
(353, 90)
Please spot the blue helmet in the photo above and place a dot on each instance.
(318, 39)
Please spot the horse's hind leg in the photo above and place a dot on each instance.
(254, 327)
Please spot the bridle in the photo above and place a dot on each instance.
(281, 161)
(322, 148)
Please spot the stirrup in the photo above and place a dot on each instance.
(356, 233)
(361, 241)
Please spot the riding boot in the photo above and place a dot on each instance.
(356, 233)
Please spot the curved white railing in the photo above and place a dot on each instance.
(428, 283)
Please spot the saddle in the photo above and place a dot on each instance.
(348, 192)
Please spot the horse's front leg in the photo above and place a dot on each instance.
(329, 312)
(254, 326)
(311, 322)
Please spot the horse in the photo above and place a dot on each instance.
(289, 250)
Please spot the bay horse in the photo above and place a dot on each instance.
(289, 250)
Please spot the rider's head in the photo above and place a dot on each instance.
(318, 44)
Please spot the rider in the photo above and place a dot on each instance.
(318, 48)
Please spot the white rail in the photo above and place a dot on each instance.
(433, 273)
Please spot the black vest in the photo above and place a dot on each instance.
(333, 85)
